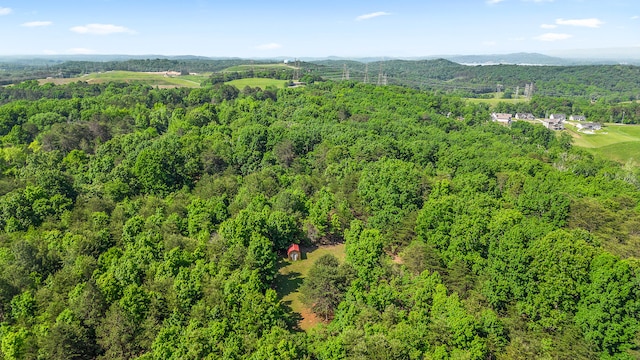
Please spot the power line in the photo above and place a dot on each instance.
(366, 73)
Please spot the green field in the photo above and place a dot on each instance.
(153, 79)
(495, 101)
(290, 277)
(258, 67)
(262, 83)
(616, 142)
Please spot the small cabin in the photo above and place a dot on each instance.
(293, 253)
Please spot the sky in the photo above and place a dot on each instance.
(262, 29)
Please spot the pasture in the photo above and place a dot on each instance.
(158, 79)
(262, 83)
(290, 277)
(495, 101)
(258, 67)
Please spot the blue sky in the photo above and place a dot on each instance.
(400, 28)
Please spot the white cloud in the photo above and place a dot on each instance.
(539, 1)
(269, 46)
(636, 17)
(548, 26)
(101, 29)
(553, 37)
(5, 11)
(591, 23)
(37, 23)
(372, 15)
(493, 2)
(81, 51)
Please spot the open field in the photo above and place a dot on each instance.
(258, 67)
(153, 79)
(290, 277)
(495, 101)
(615, 142)
(262, 83)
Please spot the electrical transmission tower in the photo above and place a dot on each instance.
(382, 78)
(345, 72)
(296, 71)
(366, 73)
(528, 90)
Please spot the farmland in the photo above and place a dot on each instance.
(262, 83)
(259, 67)
(495, 101)
(148, 78)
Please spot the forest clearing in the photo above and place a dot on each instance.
(262, 83)
(153, 79)
(291, 274)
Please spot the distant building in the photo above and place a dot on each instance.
(559, 117)
(171, 73)
(552, 124)
(294, 84)
(501, 118)
(525, 116)
(293, 252)
(578, 118)
(589, 126)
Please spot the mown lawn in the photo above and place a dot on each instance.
(290, 277)
(258, 67)
(615, 142)
(258, 82)
(153, 79)
(494, 102)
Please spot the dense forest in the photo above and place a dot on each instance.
(142, 223)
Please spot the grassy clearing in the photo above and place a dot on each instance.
(615, 142)
(494, 102)
(621, 152)
(290, 277)
(258, 82)
(153, 79)
(258, 67)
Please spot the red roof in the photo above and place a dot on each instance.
(293, 247)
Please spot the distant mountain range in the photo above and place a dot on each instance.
(565, 58)
(558, 58)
